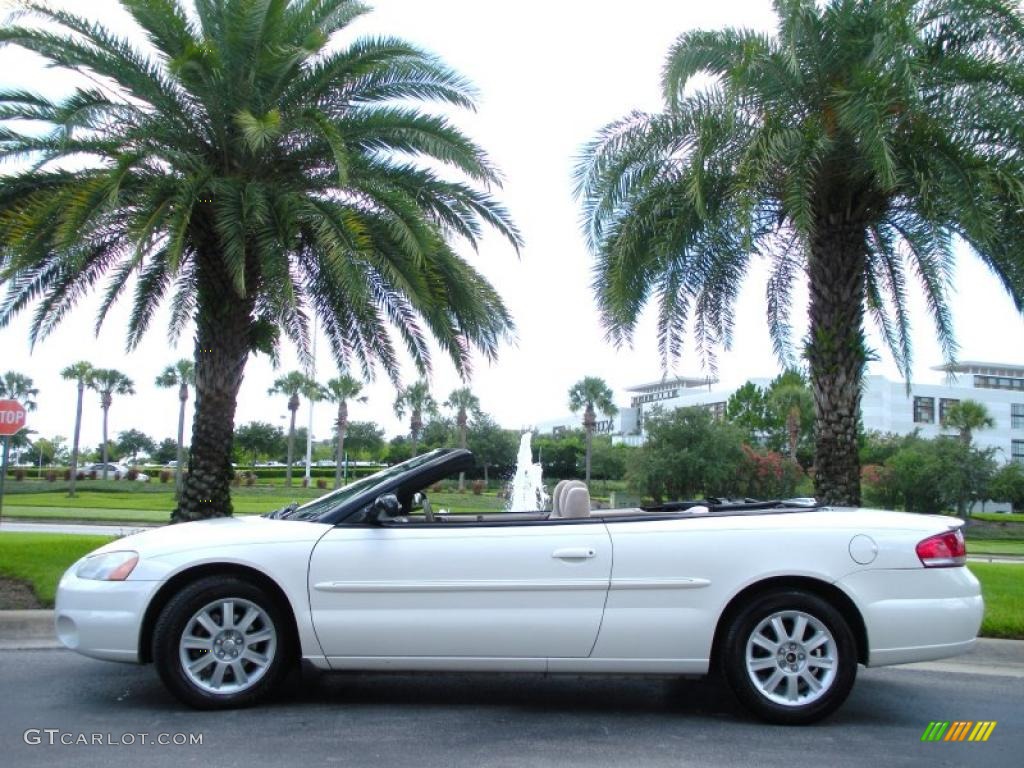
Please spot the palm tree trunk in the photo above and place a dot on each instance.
(793, 426)
(342, 429)
(589, 442)
(291, 449)
(462, 445)
(105, 452)
(78, 434)
(222, 347)
(836, 354)
(415, 425)
(589, 422)
(183, 397)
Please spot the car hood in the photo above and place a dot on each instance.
(217, 532)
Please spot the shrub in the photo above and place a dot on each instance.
(19, 473)
(478, 487)
(92, 474)
(767, 474)
(132, 474)
(237, 479)
(80, 475)
(165, 476)
(67, 474)
(321, 483)
(51, 476)
(250, 478)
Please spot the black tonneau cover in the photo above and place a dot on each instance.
(722, 507)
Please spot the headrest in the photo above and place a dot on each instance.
(556, 498)
(576, 502)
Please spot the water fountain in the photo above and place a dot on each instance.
(527, 491)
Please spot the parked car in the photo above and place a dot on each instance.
(99, 468)
(786, 600)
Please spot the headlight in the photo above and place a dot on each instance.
(108, 566)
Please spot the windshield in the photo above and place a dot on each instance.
(314, 509)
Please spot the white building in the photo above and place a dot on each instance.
(886, 406)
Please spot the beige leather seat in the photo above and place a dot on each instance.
(561, 496)
(576, 501)
(556, 498)
(569, 485)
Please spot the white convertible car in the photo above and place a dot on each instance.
(784, 600)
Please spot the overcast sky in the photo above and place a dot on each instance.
(550, 74)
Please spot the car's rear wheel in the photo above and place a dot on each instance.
(221, 642)
(790, 657)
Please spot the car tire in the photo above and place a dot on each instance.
(789, 657)
(222, 643)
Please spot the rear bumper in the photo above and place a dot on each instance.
(916, 614)
(102, 619)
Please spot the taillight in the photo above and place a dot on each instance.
(943, 550)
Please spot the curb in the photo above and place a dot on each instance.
(25, 630)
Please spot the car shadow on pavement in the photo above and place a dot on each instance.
(876, 701)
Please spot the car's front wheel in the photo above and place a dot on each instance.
(790, 657)
(220, 643)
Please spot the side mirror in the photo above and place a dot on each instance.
(385, 506)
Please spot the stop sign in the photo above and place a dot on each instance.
(12, 417)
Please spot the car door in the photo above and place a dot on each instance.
(501, 590)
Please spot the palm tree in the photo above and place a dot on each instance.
(292, 384)
(181, 375)
(80, 373)
(585, 395)
(465, 404)
(417, 400)
(253, 169)
(18, 386)
(340, 390)
(789, 402)
(968, 416)
(108, 382)
(852, 147)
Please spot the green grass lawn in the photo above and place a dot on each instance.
(998, 517)
(1002, 586)
(995, 547)
(42, 558)
(148, 507)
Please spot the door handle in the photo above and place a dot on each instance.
(574, 553)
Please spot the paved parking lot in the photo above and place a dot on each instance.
(491, 720)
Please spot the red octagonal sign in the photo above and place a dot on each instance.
(12, 417)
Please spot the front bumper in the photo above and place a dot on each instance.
(917, 614)
(102, 619)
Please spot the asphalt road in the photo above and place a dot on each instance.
(489, 720)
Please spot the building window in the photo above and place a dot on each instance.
(944, 405)
(653, 397)
(1017, 416)
(1017, 451)
(924, 410)
(717, 410)
(998, 382)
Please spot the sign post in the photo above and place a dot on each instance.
(12, 421)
